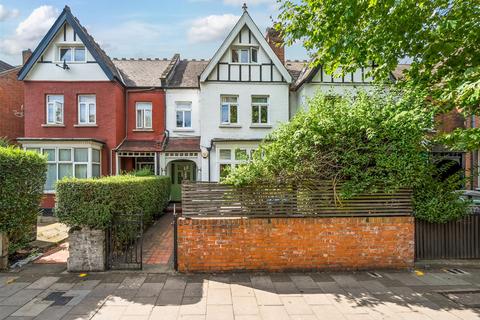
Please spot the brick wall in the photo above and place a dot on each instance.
(279, 244)
(11, 100)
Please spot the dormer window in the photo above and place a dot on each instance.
(245, 55)
(72, 54)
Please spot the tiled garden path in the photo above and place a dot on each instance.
(158, 244)
(45, 292)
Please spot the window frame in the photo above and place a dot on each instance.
(72, 53)
(87, 108)
(57, 162)
(142, 109)
(229, 105)
(259, 105)
(183, 107)
(55, 106)
(233, 161)
(237, 51)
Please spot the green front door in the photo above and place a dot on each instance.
(181, 171)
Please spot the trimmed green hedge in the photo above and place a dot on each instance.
(22, 177)
(94, 202)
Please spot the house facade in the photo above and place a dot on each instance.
(188, 119)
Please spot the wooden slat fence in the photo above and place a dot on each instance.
(214, 199)
(452, 240)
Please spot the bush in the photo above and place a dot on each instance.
(94, 202)
(22, 177)
(369, 142)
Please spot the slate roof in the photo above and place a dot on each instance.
(187, 74)
(295, 67)
(142, 72)
(5, 66)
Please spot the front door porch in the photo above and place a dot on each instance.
(181, 170)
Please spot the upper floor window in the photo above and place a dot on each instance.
(87, 109)
(144, 115)
(259, 109)
(184, 115)
(54, 109)
(245, 55)
(229, 110)
(72, 54)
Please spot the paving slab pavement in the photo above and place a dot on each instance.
(40, 293)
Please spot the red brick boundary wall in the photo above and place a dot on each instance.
(279, 244)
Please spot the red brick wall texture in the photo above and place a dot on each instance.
(11, 100)
(281, 244)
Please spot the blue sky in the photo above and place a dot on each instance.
(129, 28)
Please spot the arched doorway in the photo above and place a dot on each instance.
(180, 170)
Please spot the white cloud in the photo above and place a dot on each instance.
(211, 28)
(29, 32)
(6, 13)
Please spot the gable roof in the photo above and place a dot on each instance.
(4, 66)
(245, 19)
(100, 56)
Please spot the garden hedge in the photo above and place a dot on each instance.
(94, 202)
(22, 177)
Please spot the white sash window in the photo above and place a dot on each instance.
(54, 109)
(87, 109)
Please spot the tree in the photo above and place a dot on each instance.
(441, 37)
(366, 143)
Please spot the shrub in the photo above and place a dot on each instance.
(369, 142)
(94, 202)
(22, 177)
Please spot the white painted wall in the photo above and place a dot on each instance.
(210, 121)
(79, 71)
(183, 95)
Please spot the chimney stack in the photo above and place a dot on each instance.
(26, 55)
(275, 41)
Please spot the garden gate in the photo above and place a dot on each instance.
(124, 242)
(458, 239)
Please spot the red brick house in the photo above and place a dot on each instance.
(83, 110)
(11, 101)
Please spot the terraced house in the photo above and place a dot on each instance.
(188, 119)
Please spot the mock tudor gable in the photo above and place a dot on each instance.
(245, 56)
(68, 53)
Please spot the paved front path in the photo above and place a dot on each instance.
(41, 292)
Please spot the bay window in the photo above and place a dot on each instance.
(229, 158)
(62, 161)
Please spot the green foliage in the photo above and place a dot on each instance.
(94, 202)
(4, 142)
(145, 172)
(368, 142)
(440, 37)
(22, 176)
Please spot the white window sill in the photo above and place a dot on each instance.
(229, 126)
(92, 125)
(183, 130)
(142, 130)
(260, 126)
(51, 125)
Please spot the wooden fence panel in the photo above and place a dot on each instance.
(319, 198)
(452, 240)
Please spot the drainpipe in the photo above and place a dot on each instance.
(209, 149)
(472, 178)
